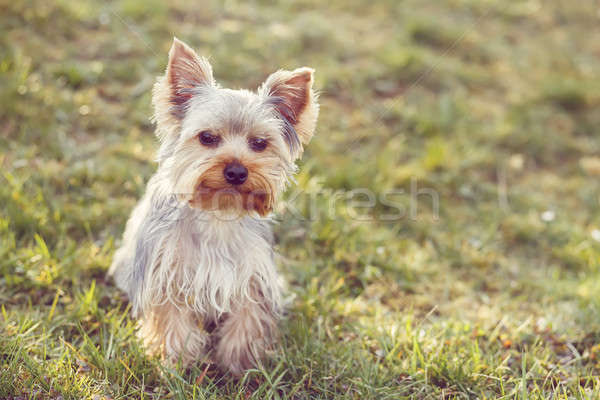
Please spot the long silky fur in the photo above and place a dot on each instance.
(185, 268)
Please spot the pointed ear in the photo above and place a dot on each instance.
(292, 95)
(185, 71)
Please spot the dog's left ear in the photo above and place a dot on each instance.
(292, 94)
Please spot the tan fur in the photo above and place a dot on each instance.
(175, 333)
(248, 332)
(257, 194)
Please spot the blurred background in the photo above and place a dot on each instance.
(490, 107)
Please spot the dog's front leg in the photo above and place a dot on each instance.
(245, 335)
(176, 333)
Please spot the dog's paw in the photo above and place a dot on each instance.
(236, 352)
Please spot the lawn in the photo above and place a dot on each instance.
(474, 273)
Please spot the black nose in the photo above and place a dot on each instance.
(235, 173)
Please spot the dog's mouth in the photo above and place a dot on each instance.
(239, 198)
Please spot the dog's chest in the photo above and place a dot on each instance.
(228, 244)
(222, 259)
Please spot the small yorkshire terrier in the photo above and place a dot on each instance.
(197, 258)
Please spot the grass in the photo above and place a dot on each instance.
(492, 105)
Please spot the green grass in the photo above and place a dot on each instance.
(493, 105)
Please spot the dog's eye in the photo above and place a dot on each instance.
(258, 144)
(208, 139)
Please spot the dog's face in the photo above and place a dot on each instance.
(225, 149)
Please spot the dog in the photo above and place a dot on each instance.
(197, 258)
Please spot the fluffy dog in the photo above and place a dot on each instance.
(197, 260)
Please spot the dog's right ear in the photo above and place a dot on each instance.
(185, 72)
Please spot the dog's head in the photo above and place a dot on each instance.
(227, 149)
